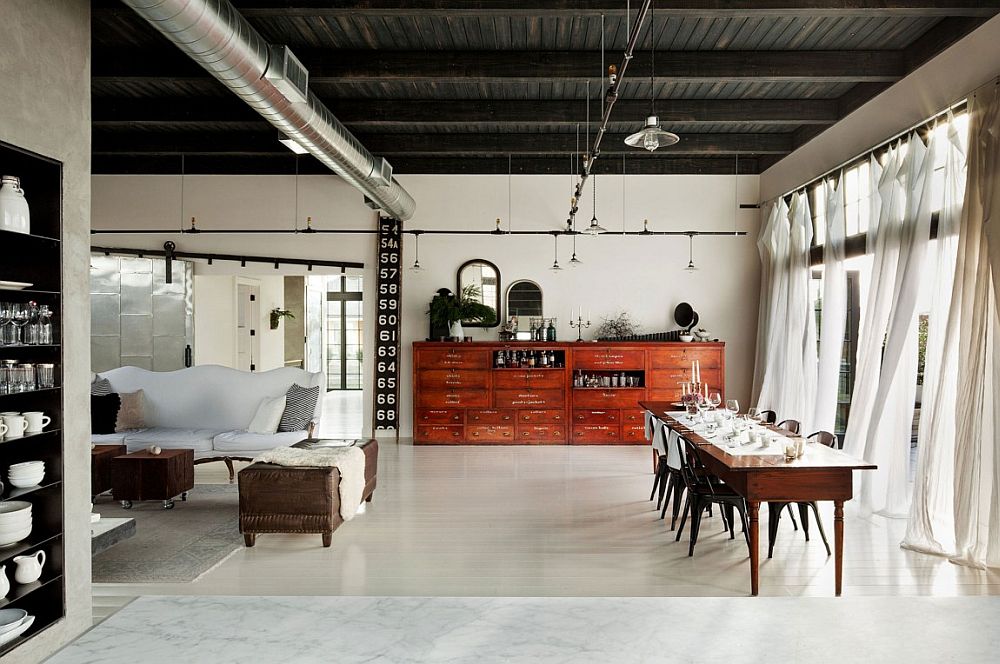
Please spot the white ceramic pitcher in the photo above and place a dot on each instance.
(4, 583)
(29, 568)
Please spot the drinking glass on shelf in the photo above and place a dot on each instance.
(45, 324)
(33, 331)
(20, 315)
(6, 320)
(46, 374)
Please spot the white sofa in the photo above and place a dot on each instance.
(207, 408)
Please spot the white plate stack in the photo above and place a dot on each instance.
(27, 474)
(13, 623)
(15, 521)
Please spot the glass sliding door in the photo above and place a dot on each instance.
(344, 332)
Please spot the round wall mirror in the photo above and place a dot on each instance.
(524, 298)
(484, 277)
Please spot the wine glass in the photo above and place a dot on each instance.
(20, 315)
(5, 320)
(733, 406)
(753, 414)
(715, 399)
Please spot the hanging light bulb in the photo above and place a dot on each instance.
(594, 228)
(652, 136)
(574, 261)
(555, 243)
(416, 245)
(691, 266)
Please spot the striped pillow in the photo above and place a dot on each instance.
(300, 405)
(101, 387)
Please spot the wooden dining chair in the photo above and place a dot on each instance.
(704, 490)
(774, 509)
(790, 425)
(768, 416)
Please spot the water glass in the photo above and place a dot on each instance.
(46, 374)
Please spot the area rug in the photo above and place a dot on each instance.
(176, 545)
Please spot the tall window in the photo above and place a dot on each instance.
(344, 332)
(845, 386)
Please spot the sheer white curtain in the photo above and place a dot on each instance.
(977, 444)
(788, 382)
(931, 527)
(834, 312)
(881, 418)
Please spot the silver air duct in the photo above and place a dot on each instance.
(216, 36)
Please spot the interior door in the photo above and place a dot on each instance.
(247, 320)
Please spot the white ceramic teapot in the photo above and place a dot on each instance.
(29, 568)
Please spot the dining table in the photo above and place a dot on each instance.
(763, 474)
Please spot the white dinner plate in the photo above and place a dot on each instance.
(14, 285)
(7, 637)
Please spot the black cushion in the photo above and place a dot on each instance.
(104, 413)
(300, 405)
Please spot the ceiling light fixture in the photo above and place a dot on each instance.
(594, 228)
(652, 136)
(293, 145)
(555, 242)
(416, 245)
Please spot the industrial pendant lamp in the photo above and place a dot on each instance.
(574, 261)
(652, 136)
(691, 266)
(416, 245)
(555, 243)
(594, 228)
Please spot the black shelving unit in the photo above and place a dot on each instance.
(36, 258)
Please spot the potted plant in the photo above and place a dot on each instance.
(447, 311)
(277, 315)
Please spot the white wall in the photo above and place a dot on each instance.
(45, 107)
(931, 88)
(215, 319)
(643, 275)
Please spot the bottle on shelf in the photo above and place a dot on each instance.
(499, 361)
(544, 361)
(550, 331)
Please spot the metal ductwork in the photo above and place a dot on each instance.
(216, 36)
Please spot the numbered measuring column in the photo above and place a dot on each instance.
(385, 414)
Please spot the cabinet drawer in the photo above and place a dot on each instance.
(529, 398)
(447, 378)
(663, 394)
(453, 399)
(595, 416)
(490, 434)
(633, 418)
(595, 433)
(490, 416)
(439, 434)
(541, 433)
(517, 378)
(672, 378)
(609, 359)
(634, 434)
(681, 358)
(607, 398)
(541, 416)
(452, 358)
(433, 416)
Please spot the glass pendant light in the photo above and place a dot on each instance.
(594, 228)
(690, 266)
(652, 136)
(416, 263)
(555, 263)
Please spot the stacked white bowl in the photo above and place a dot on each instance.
(15, 521)
(27, 474)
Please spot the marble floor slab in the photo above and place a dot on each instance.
(165, 630)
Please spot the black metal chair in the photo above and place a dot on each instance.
(774, 509)
(768, 416)
(704, 490)
(790, 425)
(673, 480)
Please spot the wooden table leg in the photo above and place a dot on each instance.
(838, 543)
(753, 510)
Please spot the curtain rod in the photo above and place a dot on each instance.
(364, 231)
(243, 260)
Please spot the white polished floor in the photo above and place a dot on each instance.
(341, 415)
(547, 521)
(399, 630)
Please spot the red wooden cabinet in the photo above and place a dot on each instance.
(461, 398)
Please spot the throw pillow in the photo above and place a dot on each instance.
(299, 407)
(131, 415)
(104, 413)
(268, 415)
(100, 387)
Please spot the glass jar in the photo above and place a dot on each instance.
(14, 213)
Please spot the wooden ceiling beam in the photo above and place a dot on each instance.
(375, 113)
(545, 8)
(429, 143)
(332, 66)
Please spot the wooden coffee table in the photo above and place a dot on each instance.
(100, 467)
(147, 476)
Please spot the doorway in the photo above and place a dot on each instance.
(247, 319)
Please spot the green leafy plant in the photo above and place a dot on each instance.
(466, 307)
(277, 315)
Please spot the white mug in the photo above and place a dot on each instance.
(37, 420)
(16, 425)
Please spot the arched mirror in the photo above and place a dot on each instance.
(524, 299)
(481, 279)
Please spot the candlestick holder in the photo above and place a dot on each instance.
(580, 326)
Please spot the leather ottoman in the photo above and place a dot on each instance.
(283, 499)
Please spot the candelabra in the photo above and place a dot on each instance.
(580, 326)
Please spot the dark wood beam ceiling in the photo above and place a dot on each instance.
(429, 112)
(681, 8)
(331, 66)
